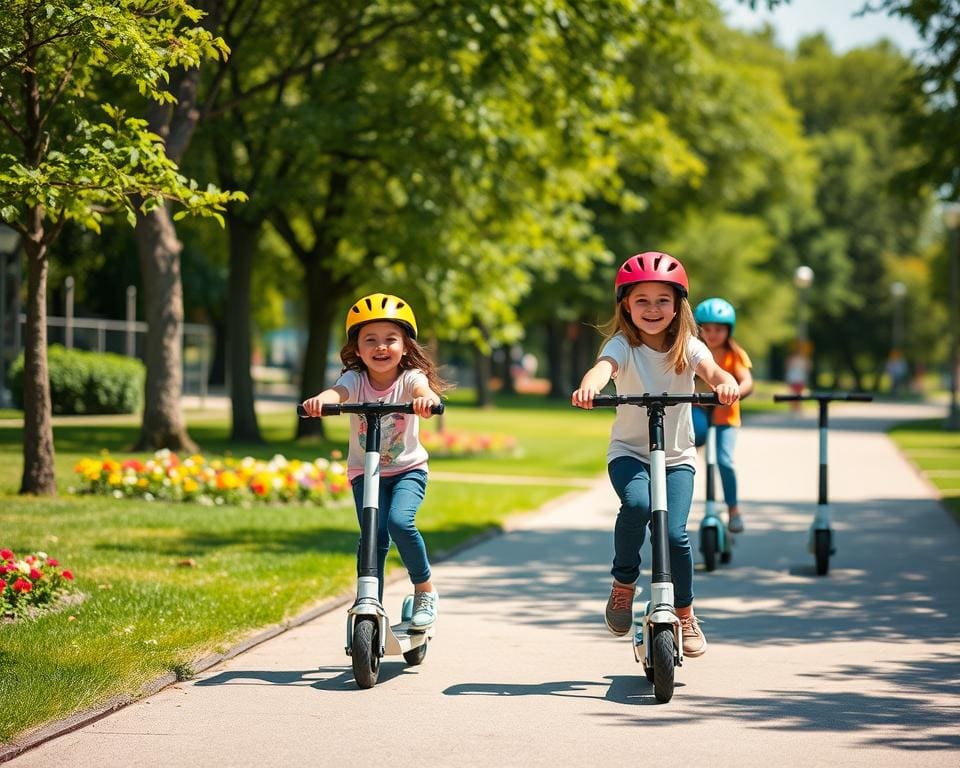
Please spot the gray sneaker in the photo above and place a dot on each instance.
(425, 606)
(619, 612)
(735, 524)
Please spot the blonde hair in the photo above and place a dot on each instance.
(680, 330)
(414, 356)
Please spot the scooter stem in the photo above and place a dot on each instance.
(658, 498)
(367, 564)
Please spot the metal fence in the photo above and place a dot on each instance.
(126, 337)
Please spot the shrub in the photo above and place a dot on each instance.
(86, 382)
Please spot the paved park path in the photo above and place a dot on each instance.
(858, 668)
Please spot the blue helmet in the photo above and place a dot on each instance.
(716, 310)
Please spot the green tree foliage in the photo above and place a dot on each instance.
(937, 77)
(64, 156)
(867, 221)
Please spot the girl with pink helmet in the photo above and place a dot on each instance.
(651, 345)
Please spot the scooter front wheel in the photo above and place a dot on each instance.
(364, 651)
(664, 654)
(821, 550)
(709, 546)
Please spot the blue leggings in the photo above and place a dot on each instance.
(631, 480)
(726, 443)
(400, 498)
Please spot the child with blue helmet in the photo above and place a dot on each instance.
(717, 318)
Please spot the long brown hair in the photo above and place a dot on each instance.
(414, 356)
(681, 328)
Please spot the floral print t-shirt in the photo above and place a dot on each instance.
(400, 448)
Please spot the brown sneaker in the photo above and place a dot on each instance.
(694, 642)
(619, 612)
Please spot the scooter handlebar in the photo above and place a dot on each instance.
(335, 409)
(853, 397)
(698, 398)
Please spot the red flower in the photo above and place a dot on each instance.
(6, 554)
(259, 488)
(22, 585)
(30, 559)
(3, 585)
(134, 464)
(52, 561)
(35, 574)
(68, 575)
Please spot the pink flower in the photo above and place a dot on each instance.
(68, 575)
(22, 585)
(52, 561)
(6, 554)
(30, 559)
(35, 574)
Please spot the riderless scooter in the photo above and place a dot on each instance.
(369, 634)
(658, 644)
(715, 538)
(821, 541)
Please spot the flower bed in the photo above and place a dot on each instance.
(31, 583)
(227, 481)
(452, 442)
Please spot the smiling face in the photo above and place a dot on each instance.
(714, 334)
(652, 307)
(380, 345)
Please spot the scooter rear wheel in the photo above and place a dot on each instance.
(364, 651)
(709, 546)
(664, 653)
(821, 550)
(415, 656)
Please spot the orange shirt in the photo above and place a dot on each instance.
(735, 363)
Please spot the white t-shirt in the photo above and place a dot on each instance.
(642, 370)
(400, 448)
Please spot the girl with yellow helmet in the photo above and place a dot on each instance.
(382, 362)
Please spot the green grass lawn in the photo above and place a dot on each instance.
(167, 584)
(936, 453)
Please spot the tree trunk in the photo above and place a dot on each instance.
(321, 309)
(38, 454)
(159, 249)
(482, 369)
(218, 368)
(243, 245)
(556, 334)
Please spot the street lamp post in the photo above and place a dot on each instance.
(802, 279)
(9, 243)
(951, 217)
(896, 364)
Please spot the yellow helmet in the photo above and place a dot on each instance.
(381, 306)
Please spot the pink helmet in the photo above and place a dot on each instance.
(649, 267)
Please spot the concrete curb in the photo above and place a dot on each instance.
(57, 728)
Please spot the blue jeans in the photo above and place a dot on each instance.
(400, 498)
(631, 480)
(726, 442)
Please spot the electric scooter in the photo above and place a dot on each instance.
(369, 634)
(658, 644)
(715, 538)
(820, 541)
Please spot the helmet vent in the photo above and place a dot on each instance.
(383, 303)
(355, 308)
(656, 264)
(627, 267)
(369, 303)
